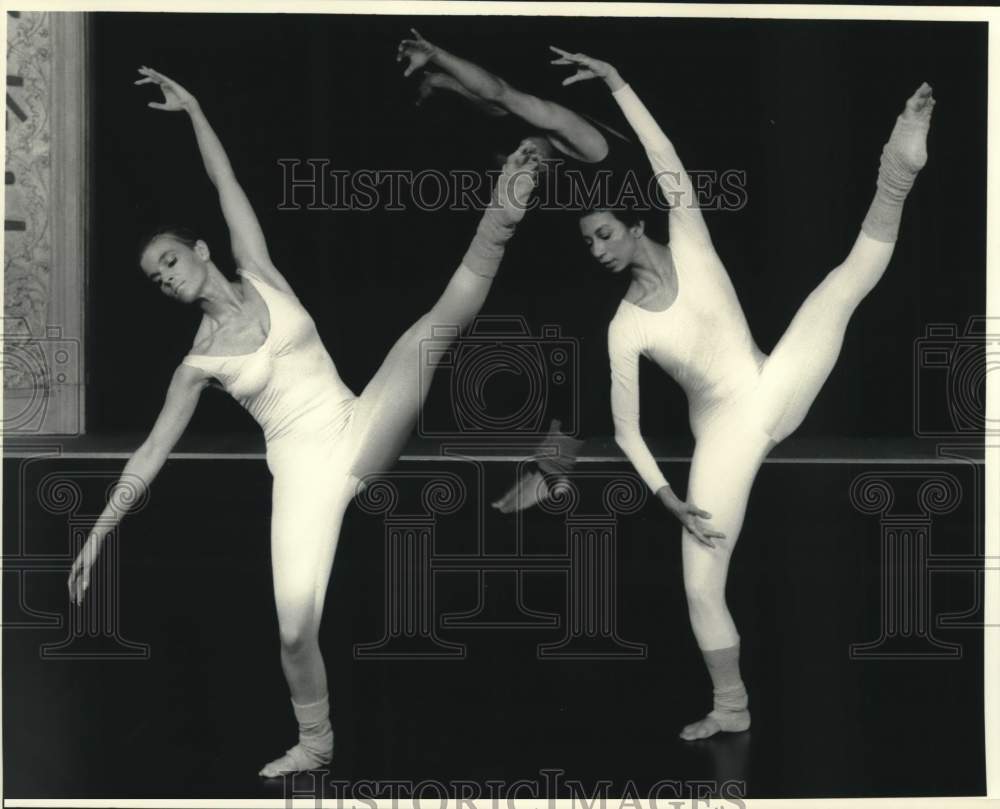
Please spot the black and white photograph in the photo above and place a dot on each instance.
(460, 403)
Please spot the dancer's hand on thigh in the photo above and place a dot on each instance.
(695, 525)
(691, 517)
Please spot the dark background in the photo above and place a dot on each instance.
(802, 107)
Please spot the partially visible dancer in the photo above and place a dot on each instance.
(553, 128)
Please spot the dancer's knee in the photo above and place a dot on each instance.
(433, 324)
(862, 269)
(449, 318)
(438, 325)
(840, 293)
(298, 638)
(843, 286)
(705, 595)
(459, 304)
(495, 90)
(421, 329)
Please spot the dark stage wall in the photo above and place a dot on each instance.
(802, 107)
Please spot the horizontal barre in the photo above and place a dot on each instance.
(25, 452)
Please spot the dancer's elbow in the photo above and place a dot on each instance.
(148, 459)
(658, 146)
(626, 441)
(494, 89)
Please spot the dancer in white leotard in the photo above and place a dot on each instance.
(681, 311)
(257, 341)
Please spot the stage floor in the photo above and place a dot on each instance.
(195, 702)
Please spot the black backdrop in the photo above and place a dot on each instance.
(802, 107)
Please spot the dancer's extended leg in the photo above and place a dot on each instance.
(804, 357)
(388, 407)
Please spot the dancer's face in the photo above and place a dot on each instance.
(611, 242)
(178, 270)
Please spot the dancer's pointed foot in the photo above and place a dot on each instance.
(517, 180)
(715, 722)
(921, 104)
(903, 156)
(909, 138)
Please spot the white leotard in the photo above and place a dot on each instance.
(702, 340)
(289, 385)
(741, 401)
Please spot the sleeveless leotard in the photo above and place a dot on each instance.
(289, 385)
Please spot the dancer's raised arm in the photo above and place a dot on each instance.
(671, 175)
(140, 470)
(247, 239)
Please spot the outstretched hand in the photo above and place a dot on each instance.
(175, 97)
(586, 68)
(79, 574)
(417, 52)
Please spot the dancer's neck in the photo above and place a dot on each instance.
(652, 268)
(218, 296)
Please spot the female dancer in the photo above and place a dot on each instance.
(682, 312)
(258, 341)
(557, 129)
